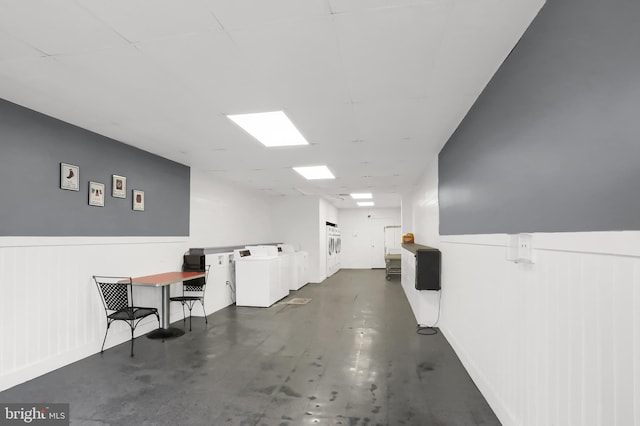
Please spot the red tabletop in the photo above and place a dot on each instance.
(167, 278)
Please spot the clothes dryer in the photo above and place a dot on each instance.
(331, 250)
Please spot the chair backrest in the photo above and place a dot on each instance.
(189, 287)
(115, 292)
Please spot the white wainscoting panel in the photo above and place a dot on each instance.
(553, 343)
(50, 310)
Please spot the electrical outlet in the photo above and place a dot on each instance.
(520, 248)
(525, 248)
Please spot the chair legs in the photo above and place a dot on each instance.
(107, 332)
(203, 311)
(190, 304)
(105, 337)
(132, 325)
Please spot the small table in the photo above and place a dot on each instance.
(165, 280)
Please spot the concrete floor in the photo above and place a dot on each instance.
(349, 357)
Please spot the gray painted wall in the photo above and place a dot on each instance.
(33, 145)
(553, 142)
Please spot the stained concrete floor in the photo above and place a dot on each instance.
(349, 357)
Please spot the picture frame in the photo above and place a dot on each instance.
(118, 186)
(138, 200)
(69, 177)
(96, 194)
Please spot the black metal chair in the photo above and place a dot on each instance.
(192, 292)
(117, 298)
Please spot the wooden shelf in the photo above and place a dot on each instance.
(415, 247)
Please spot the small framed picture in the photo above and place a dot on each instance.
(69, 177)
(96, 194)
(119, 186)
(138, 200)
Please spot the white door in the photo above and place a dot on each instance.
(376, 235)
(392, 239)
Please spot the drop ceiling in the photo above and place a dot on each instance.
(377, 87)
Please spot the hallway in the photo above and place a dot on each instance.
(351, 356)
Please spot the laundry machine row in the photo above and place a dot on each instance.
(334, 247)
(266, 274)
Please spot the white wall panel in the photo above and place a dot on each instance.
(296, 222)
(52, 314)
(553, 343)
(224, 214)
(357, 227)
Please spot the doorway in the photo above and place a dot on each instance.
(383, 235)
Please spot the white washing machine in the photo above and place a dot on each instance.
(258, 281)
(286, 273)
(302, 269)
(299, 265)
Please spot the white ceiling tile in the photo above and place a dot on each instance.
(12, 48)
(295, 61)
(234, 14)
(197, 58)
(56, 26)
(397, 120)
(138, 20)
(45, 84)
(209, 65)
(325, 123)
(343, 6)
(389, 53)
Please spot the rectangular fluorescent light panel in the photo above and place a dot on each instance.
(270, 128)
(366, 203)
(315, 172)
(363, 196)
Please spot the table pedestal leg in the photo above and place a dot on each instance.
(165, 331)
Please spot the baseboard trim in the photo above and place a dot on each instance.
(496, 403)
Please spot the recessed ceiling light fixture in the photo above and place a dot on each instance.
(270, 128)
(362, 196)
(315, 172)
(366, 204)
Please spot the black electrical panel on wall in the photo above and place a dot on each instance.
(428, 269)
